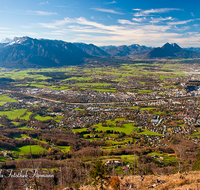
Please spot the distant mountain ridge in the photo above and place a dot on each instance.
(91, 49)
(193, 49)
(25, 52)
(171, 51)
(132, 50)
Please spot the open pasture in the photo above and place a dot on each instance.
(126, 128)
(4, 99)
(14, 113)
(35, 149)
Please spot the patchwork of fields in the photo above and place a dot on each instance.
(110, 108)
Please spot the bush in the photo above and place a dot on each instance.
(114, 182)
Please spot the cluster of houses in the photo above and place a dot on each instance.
(89, 95)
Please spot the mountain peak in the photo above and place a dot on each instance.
(17, 40)
(172, 46)
(176, 46)
(170, 51)
(6, 40)
(166, 44)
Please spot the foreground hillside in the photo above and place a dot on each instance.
(187, 181)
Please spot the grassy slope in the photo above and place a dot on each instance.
(4, 99)
(14, 113)
(35, 149)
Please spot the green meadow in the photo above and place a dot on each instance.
(4, 99)
(144, 91)
(35, 149)
(103, 89)
(146, 132)
(79, 78)
(126, 140)
(38, 117)
(25, 128)
(78, 109)
(165, 158)
(79, 130)
(15, 123)
(26, 116)
(22, 75)
(125, 128)
(20, 137)
(64, 149)
(14, 113)
(94, 78)
(90, 84)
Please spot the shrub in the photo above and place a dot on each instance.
(114, 182)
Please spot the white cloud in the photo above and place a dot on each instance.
(122, 21)
(129, 33)
(6, 31)
(139, 19)
(107, 10)
(84, 30)
(2, 28)
(130, 37)
(160, 19)
(42, 13)
(180, 22)
(161, 10)
(57, 23)
(181, 29)
(136, 9)
(84, 21)
(112, 2)
(43, 3)
(192, 33)
(81, 21)
(155, 28)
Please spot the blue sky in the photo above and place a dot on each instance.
(103, 22)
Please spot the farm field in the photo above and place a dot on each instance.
(79, 130)
(4, 99)
(35, 149)
(38, 117)
(86, 78)
(25, 128)
(14, 113)
(64, 149)
(20, 137)
(126, 128)
(146, 132)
